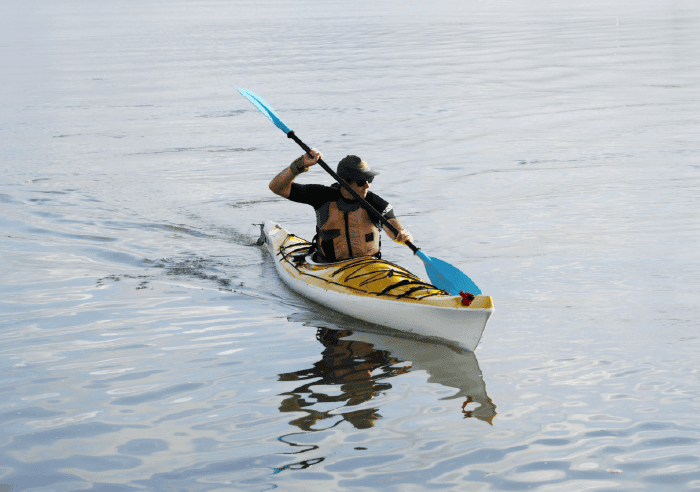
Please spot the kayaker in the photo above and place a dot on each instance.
(344, 229)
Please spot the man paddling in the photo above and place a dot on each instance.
(344, 229)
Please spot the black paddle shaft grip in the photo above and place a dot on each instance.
(342, 182)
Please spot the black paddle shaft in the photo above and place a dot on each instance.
(342, 182)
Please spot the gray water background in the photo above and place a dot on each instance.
(549, 150)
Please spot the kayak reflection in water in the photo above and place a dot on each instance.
(346, 363)
(344, 229)
(361, 370)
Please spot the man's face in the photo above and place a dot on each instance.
(361, 187)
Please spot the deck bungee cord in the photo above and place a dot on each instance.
(355, 269)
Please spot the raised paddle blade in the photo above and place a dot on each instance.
(447, 277)
(265, 109)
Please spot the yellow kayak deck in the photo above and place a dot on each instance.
(366, 276)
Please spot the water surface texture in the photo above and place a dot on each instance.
(551, 150)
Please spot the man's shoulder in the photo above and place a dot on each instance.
(380, 204)
(311, 194)
(373, 198)
(313, 188)
(320, 187)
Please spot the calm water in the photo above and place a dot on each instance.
(551, 151)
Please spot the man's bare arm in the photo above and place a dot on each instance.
(403, 235)
(282, 183)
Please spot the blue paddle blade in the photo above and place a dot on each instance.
(265, 109)
(446, 277)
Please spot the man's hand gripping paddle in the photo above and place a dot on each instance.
(441, 274)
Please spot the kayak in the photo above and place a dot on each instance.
(378, 292)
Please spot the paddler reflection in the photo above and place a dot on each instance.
(348, 364)
(445, 365)
(352, 361)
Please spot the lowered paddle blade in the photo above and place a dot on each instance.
(265, 109)
(447, 277)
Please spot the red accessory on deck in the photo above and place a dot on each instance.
(467, 298)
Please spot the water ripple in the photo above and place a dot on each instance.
(548, 149)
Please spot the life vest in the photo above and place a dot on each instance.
(346, 230)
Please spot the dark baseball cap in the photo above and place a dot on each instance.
(352, 167)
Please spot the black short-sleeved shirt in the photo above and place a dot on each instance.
(317, 195)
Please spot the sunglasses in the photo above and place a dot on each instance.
(362, 182)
